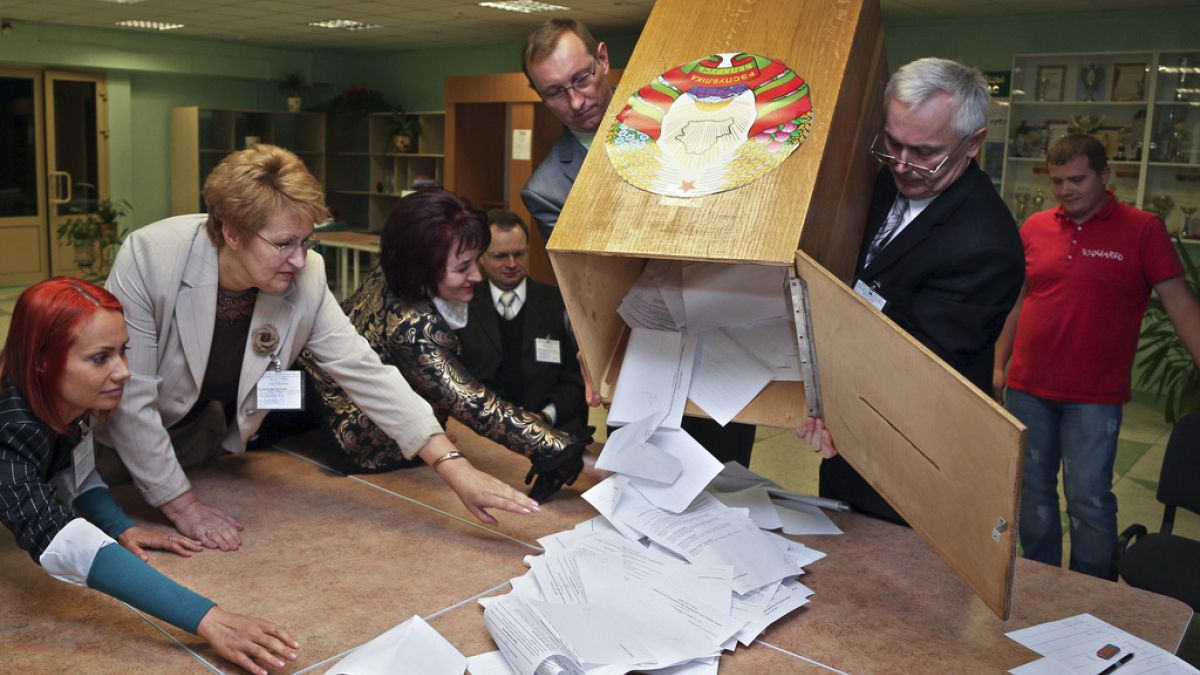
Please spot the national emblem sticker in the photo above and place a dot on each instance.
(711, 125)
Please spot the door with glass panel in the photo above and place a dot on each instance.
(53, 168)
(24, 255)
(77, 167)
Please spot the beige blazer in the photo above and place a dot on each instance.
(165, 275)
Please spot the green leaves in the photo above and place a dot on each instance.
(1166, 365)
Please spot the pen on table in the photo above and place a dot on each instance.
(823, 502)
(1120, 662)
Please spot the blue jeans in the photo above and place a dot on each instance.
(1083, 437)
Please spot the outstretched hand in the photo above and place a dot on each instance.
(254, 644)
(816, 434)
(138, 538)
(209, 526)
(479, 491)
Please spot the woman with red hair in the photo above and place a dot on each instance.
(63, 362)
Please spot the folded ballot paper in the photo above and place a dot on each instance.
(412, 647)
(652, 586)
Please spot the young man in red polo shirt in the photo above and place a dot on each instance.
(1090, 265)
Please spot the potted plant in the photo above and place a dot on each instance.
(95, 233)
(294, 85)
(1165, 363)
(110, 213)
(82, 233)
(406, 129)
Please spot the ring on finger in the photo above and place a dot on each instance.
(208, 533)
(170, 537)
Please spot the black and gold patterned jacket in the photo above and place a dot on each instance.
(415, 338)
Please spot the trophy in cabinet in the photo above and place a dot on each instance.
(1091, 75)
(1039, 198)
(1188, 212)
(1021, 200)
(1162, 205)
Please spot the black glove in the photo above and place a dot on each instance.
(562, 469)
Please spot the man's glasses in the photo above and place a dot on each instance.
(559, 94)
(886, 158)
(288, 248)
(500, 256)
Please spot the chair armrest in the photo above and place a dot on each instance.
(1129, 536)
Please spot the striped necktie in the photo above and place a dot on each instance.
(884, 235)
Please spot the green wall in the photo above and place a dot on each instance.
(988, 43)
(150, 73)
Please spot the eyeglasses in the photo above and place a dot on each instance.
(886, 159)
(559, 94)
(501, 256)
(287, 248)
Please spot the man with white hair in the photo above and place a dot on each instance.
(941, 255)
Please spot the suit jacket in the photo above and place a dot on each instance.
(165, 276)
(548, 187)
(542, 383)
(952, 275)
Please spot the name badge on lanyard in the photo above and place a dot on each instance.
(870, 295)
(84, 458)
(280, 389)
(547, 350)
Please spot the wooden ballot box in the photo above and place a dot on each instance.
(943, 454)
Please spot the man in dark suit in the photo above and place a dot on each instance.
(516, 340)
(569, 70)
(941, 255)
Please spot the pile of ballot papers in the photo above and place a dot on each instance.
(665, 579)
(681, 565)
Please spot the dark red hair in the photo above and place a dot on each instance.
(419, 235)
(45, 323)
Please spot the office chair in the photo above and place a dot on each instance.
(1160, 561)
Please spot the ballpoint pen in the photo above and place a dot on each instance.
(1120, 662)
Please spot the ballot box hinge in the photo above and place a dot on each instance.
(1000, 528)
(802, 315)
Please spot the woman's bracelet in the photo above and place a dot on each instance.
(453, 454)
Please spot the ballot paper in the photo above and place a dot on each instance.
(773, 341)
(710, 533)
(411, 647)
(656, 299)
(629, 452)
(654, 378)
(698, 467)
(756, 500)
(1070, 646)
(489, 663)
(719, 294)
(799, 518)
(726, 377)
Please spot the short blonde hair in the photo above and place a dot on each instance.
(251, 185)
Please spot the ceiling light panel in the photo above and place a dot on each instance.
(344, 24)
(524, 6)
(149, 25)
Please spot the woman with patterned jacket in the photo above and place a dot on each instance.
(408, 309)
(63, 361)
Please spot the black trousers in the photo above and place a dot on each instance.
(839, 480)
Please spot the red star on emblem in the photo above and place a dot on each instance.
(688, 185)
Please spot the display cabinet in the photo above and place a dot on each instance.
(202, 137)
(368, 173)
(1143, 106)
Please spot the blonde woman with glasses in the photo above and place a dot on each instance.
(218, 307)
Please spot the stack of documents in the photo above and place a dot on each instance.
(669, 577)
(715, 333)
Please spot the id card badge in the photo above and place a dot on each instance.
(870, 295)
(84, 459)
(547, 350)
(281, 390)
